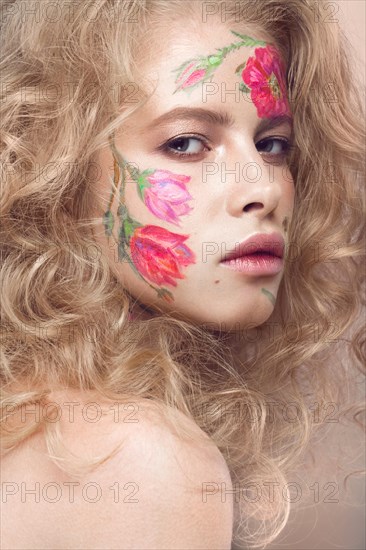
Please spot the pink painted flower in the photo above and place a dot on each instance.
(166, 195)
(190, 76)
(197, 70)
(159, 254)
(264, 75)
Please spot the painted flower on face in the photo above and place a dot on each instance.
(159, 254)
(264, 75)
(152, 248)
(196, 70)
(165, 194)
(200, 69)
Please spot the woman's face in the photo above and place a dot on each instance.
(205, 170)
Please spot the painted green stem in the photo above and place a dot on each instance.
(246, 41)
(269, 295)
(120, 166)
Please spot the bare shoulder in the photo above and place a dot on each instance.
(158, 489)
(169, 488)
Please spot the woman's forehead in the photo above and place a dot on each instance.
(181, 39)
(231, 68)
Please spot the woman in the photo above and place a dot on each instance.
(182, 243)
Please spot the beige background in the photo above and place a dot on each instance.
(341, 526)
(352, 15)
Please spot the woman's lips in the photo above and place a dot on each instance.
(259, 254)
(258, 263)
(270, 243)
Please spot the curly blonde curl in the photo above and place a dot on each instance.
(65, 315)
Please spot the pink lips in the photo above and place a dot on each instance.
(261, 254)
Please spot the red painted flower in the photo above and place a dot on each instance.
(264, 75)
(159, 254)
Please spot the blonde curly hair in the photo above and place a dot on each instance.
(65, 315)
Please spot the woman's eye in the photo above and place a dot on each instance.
(275, 148)
(193, 146)
(185, 146)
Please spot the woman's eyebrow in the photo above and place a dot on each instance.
(215, 117)
(273, 122)
(193, 113)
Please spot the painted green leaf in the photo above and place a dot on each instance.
(165, 294)
(248, 41)
(269, 295)
(122, 212)
(108, 222)
(129, 226)
(132, 170)
(239, 68)
(140, 188)
(142, 182)
(244, 88)
(147, 172)
(214, 59)
(122, 253)
(128, 229)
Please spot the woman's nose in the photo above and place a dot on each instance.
(252, 187)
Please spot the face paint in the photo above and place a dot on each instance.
(263, 76)
(198, 70)
(157, 255)
(163, 192)
(269, 295)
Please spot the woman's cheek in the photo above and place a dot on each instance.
(156, 254)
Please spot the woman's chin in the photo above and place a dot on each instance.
(225, 321)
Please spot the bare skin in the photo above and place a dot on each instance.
(135, 500)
